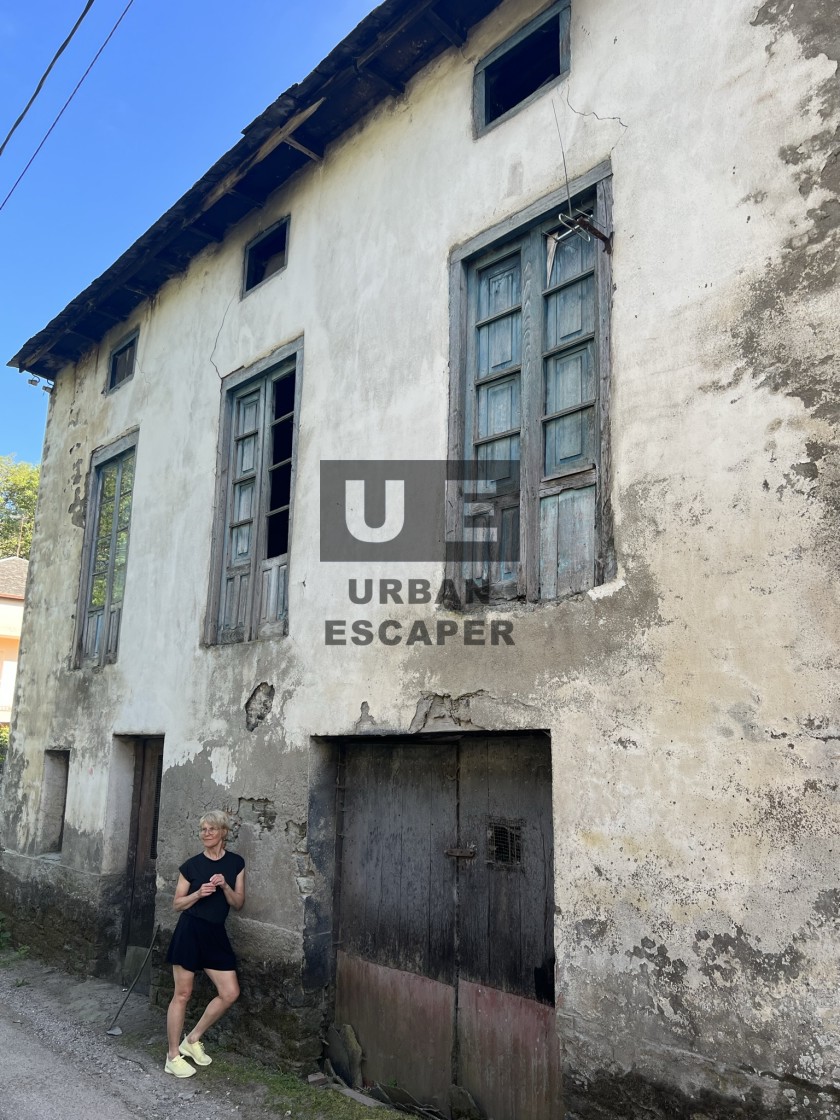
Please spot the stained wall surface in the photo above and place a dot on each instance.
(691, 701)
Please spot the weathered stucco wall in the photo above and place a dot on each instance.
(691, 702)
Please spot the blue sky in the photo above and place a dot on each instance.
(170, 94)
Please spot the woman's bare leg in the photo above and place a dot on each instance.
(227, 993)
(178, 1007)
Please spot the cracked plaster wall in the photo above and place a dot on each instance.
(692, 703)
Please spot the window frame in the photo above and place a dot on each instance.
(126, 341)
(285, 221)
(99, 460)
(562, 9)
(496, 243)
(233, 387)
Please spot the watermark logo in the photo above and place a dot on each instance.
(396, 510)
(466, 512)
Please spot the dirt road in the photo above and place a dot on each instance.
(59, 1064)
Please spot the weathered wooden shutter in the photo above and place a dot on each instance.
(109, 558)
(494, 420)
(568, 438)
(245, 461)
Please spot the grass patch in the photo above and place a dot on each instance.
(286, 1092)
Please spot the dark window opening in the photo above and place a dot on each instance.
(504, 842)
(522, 70)
(278, 534)
(122, 363)
(537, 55)
(267, 255)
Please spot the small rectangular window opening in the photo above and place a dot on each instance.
(267, 255)
(54, 800)
(522, 70)
(533, 58)
(504, 842)
(122, 363)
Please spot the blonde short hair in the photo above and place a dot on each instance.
(216, 818)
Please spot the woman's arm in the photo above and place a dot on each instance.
(236, 896)
(183, 900)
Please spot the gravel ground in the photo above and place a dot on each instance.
(57, 1058)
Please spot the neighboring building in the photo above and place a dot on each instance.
(605, 855)
(12, 590)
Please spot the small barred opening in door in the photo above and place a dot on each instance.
(445, 916)
(505, 842)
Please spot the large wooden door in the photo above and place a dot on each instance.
(446, 902)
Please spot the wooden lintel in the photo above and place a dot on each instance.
(266, 148)
(455, 37)
(296, 144)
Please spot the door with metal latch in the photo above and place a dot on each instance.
(445, 965)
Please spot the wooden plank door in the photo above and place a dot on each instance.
(395, 967)
(508, 1056)
(445, 965)
(142, 852)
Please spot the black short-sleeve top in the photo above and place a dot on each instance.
(200, 870)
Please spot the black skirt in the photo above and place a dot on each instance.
(197, 945)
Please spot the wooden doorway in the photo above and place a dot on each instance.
(141, 878)
(445, 888)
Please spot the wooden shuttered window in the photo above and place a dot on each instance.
(107, 557)
(252, 601)
(534, 353)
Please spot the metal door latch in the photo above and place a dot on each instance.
(460, 853)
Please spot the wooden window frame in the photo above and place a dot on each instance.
(128, 340)
(284, 223)
(495, 244)
(107, 649)
(263, 605)
(561, 9)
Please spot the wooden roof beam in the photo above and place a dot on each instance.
(369, 70)
(455, 37)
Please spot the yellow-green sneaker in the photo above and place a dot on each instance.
(178, 1066)
(195, 1050)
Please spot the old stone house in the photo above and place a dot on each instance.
(557, 821)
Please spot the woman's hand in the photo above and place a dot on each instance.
(217, 880)
(207, 888)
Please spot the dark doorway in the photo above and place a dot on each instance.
(445, 887)
(142, 856)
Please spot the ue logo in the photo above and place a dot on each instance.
(395, 509)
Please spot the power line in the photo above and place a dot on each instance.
(66, 103)
(45, 75)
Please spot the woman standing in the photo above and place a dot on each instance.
(208, 885)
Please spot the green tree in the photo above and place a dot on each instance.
(18, 494)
